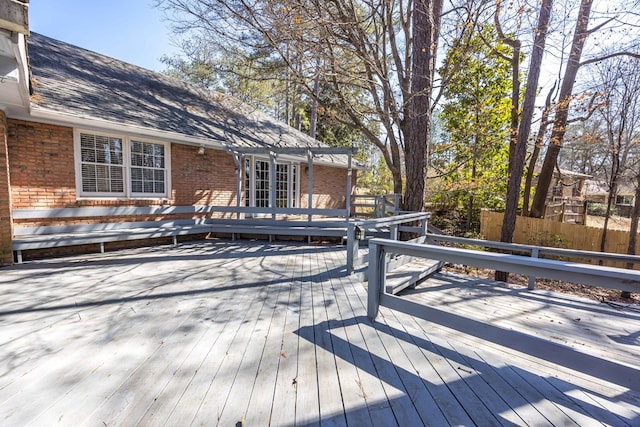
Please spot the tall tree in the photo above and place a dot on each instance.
(565, 97)
(378, 62)
(620, 114)
(475, 114)
(537, 146)
(426, 30)
(519, 151)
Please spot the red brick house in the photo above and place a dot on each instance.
(79, 129)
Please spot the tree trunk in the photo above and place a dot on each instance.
(562, 111)
(544, 122)
(519, 152)
(635, 217)
(633, 230)
(515, 89)
(426, 28)
(313, 120)
(610, 198)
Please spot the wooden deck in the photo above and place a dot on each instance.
(220, 333)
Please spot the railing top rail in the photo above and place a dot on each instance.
(616, 278)
(392, 220)
(165, 210)
(542, 250)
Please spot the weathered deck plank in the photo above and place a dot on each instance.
(259, 405)
(283, 407)
(219, 332)
(306, 379)
(370, 394)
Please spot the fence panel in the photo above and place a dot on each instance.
(534, 231)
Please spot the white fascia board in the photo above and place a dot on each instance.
(20, 50)
(280, 157)
(57, 118)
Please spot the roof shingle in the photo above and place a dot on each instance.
(75, 81)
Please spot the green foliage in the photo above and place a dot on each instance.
(244, 77)
(196, 72)
(599, 209)
(376, 179)
(259, 79)
(454, 222)
(472, 152)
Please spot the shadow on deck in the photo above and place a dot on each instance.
(219, 332)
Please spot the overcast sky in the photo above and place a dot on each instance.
(129, 30)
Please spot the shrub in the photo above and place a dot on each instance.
(599, 209)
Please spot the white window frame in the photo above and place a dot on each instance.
(293, 186)
(126, 148)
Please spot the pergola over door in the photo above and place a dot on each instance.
(266, 180)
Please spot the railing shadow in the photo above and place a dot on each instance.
(449, 280)
(387, 371)
(20, 301)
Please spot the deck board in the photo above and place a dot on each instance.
(370, 394)
(219, 332)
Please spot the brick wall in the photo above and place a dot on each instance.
(329, 187)
(42, 165)
(202, 179)
(43, 176)
(6, 253)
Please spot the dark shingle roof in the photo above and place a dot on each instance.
(74, 81)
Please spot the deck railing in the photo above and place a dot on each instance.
(566, 211)
(394, 225)
(539, 251)
(376, 205)
(586, 274)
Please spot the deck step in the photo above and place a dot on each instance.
(410, 273)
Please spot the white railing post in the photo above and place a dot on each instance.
(393, 232)
(354, 234)
(423, 226)
(376, 278)
(535, 252)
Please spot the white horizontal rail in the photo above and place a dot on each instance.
(542, 250)
(374, 224)
(538, 251)
(356, 231)
(166, 210)
(586, 274)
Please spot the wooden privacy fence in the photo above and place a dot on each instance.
(534, 231)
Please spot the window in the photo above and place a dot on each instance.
(117, 166)
(147, 168)
(102, 164)
(626, 199)
(261, 186)
(257, 183)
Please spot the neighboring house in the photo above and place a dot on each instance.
(598, 191)
(566, 185)
(79, 129)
